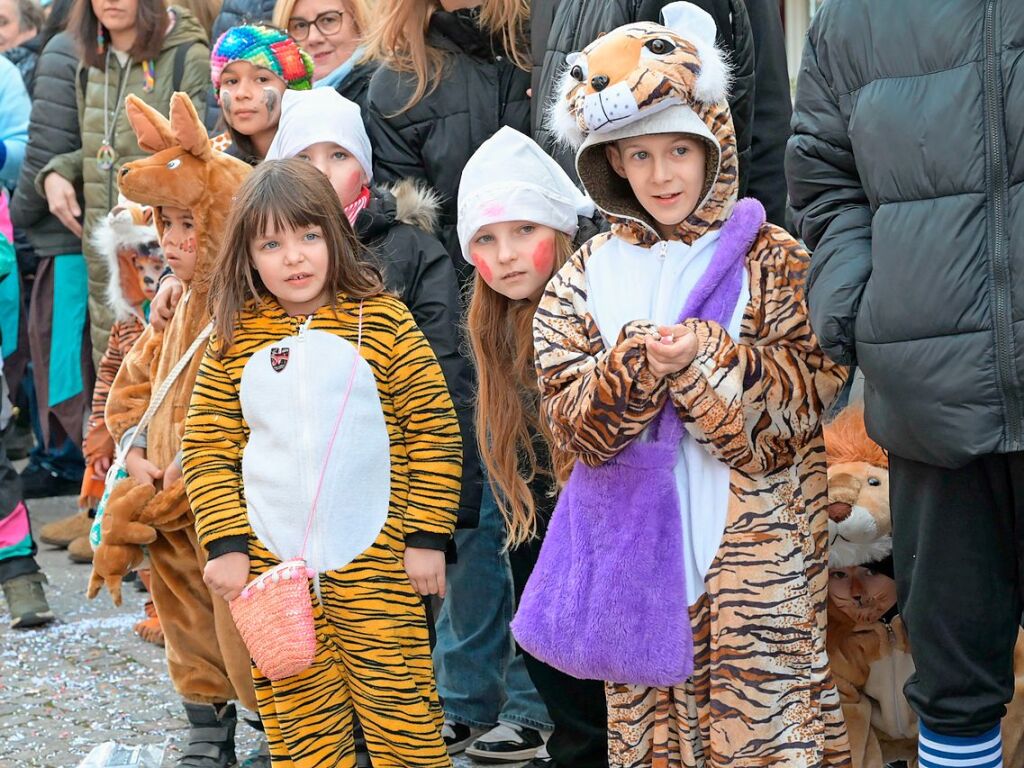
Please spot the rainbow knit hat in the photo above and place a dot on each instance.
(266, 47)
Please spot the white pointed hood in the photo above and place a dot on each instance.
(510, 178)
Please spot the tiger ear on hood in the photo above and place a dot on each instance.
(189, 131)
(152, 130)
(698, 27)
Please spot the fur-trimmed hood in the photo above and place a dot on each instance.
(126, 231)
(408, 201)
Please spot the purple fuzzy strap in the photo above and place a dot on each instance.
(715, 295)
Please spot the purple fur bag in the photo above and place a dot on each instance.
(607, 598)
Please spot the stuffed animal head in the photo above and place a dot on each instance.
(859, 524)
(128, 241)
(184, 171)
(639, 69)
(644, 79)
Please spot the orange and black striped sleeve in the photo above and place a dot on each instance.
(426, 417)
(212, 446)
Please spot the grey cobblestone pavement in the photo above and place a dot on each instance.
(87, 678)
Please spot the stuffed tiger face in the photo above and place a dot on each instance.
(639, 69)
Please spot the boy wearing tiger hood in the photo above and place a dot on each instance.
(646, 107)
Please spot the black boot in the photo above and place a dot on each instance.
(211, 736)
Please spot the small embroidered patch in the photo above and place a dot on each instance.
(279, 358)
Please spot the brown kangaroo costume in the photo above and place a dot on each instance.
(207, 660)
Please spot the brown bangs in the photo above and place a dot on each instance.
(281, 195)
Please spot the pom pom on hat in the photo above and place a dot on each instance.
(265, 47)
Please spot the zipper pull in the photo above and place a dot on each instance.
(664, 249)
(304, 327)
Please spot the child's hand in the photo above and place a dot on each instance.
(161, 309)
(100, 467)
(672, 352)
(426, 570)
(227, 575)
(141, 469)
(172, 474)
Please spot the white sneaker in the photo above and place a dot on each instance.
(507, 743)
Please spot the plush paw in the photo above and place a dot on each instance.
(168, 510)
(110, 564)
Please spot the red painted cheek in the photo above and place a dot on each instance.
(543, 257)
(482, 267)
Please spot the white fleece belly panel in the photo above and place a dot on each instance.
(288, 440)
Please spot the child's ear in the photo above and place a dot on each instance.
(611, 151)
(188, 128)
(151, 128)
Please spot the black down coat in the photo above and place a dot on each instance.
(906, 173)
(480, 91)
(52, 130)
(397, 226)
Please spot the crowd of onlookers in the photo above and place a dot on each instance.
(435, 121)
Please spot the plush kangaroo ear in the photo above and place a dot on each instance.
(188, 129)
(151, 128)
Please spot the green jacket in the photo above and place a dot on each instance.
(81, 167)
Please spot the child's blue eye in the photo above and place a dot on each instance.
(639, 155)
(340, 156)
(527, 229)
(312, 236)
(270, 244)
(484, 239)
(682, 150)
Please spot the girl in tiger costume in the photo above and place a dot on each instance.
(616, 344)
(305, 340)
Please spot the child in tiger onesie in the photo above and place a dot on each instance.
(615, 345)
(321, 415)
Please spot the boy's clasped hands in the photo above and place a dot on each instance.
(672, 350)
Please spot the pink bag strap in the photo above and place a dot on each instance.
(334, 434)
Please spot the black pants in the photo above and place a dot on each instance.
(577, 707)
(958, 549)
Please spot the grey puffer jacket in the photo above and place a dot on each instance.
(52, 130)
(906, 172)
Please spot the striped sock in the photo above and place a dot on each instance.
(937, 751)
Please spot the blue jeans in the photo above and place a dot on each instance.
(480, 678)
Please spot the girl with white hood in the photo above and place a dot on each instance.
(518, 217)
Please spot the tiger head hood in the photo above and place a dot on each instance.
(643, 79)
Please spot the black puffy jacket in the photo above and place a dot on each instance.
(397, 226)
(906, 172)
(480, 91)
(577, 23)
(52, 130)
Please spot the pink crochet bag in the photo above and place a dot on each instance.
(274, 613)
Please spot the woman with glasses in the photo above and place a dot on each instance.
(331, 31)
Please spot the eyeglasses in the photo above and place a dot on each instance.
(328, 22)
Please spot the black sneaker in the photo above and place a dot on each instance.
(506, 743)
(458, 736)
(542, 759)
(38, 482)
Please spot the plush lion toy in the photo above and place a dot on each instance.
(867, 643)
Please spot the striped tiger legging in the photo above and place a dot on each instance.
(372, 657)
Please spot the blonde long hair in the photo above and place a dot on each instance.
(400, 38)
(507, 405)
